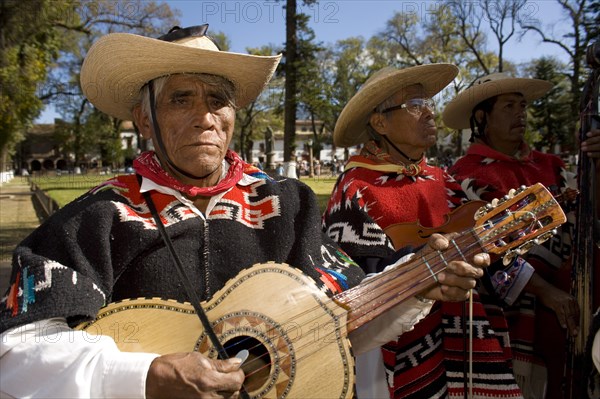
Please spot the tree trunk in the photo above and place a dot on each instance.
(289, 131)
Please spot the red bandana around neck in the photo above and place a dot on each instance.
(147, 165)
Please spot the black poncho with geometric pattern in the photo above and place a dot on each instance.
(104, 247)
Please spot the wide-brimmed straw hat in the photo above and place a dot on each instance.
(119, 64)
(351, 126)
(458, 112)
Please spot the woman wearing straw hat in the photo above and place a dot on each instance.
(390, 182)
(495, 109)
(193, 217)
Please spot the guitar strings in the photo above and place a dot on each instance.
(533, 221)
(500, 217)
(329, 335)
(428, 276)
(425, 275)
(268, 364)
(412, 265)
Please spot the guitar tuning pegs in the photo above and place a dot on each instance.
(480, 212)
(509, 258)
(544, 237)
(511, 193)
(495, 202)
(524, 248)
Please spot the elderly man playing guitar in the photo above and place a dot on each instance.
(162, 283)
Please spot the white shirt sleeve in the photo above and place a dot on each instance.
(367, 340)
(47, 359)
(389, 325)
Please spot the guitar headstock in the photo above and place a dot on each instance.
(523, 218)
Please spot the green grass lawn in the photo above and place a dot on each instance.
(64, 189)
(322, 187)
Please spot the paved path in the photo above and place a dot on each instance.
(18, 218)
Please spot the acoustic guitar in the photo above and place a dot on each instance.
(295, 334)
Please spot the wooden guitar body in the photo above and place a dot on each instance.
(295, 334)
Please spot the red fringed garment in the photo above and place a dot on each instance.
(429, 361)
(534, 331)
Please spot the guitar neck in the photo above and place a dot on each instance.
(386, 290)
(508, 226)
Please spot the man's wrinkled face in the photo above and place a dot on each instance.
(196, 124)
(417, 129)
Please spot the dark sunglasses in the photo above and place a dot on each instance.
(177, 33)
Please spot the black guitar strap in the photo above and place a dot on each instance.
(186, 283)
(185, 280)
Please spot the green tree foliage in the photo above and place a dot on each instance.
(313, 90)
(298, 42)
(343, 68)
(106, 131)
(221, 40)
(37, 36)
(90, 21)
(351, 61)
(581, 29)
(43, 43)
(548, 114)
(30, 40)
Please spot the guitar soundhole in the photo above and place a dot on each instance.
(258, 365)
(271, 364)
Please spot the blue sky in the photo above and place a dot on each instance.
(249, 23)
(254, 23)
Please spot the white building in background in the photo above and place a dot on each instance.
(129, 138)
(304, 136)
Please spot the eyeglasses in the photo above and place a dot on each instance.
(413, 106)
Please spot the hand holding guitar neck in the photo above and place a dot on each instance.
(459, 277)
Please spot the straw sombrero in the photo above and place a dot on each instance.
(351, 126)
(457, 113)
(119, 64)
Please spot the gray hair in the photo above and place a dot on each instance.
(224, 86)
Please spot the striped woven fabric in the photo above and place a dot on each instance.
(534, 330)
(430, 361)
